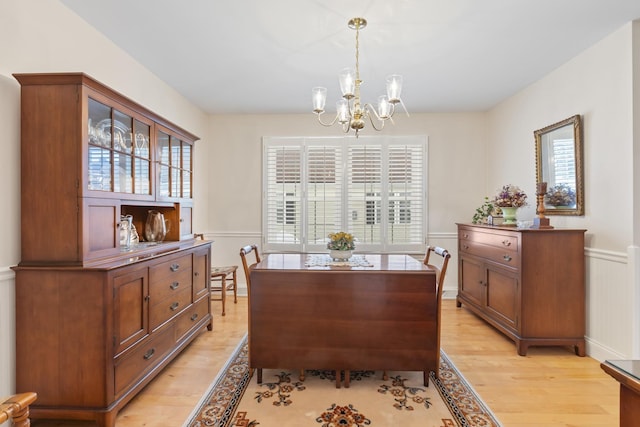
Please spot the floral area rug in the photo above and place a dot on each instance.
(235, 399)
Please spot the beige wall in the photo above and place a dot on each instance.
(598, 84)
(44, 36)
(470, 155)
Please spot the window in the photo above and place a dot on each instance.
(372, 187)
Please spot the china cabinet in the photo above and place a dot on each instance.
(527, 283)
(97, 317)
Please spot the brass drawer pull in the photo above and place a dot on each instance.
(194, 316)
(174, 267)
(506, 242)
(507, 258)
(149, 354)
(174, 285)
(174, 306)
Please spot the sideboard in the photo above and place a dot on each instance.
(528, 283)
(97, 318)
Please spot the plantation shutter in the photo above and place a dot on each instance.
(406, 194)
(283, 198)
(324, 193)
(364, 189)
(371, 187)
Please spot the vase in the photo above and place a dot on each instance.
(339, 255)
(509, 215)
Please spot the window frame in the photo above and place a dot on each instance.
(342, 144)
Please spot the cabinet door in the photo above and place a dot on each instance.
(502, 295)
(119, 155)
(472, 280)
(201, 276)
(100, 229)
(174, 167)
(186, 230)
(131, 307)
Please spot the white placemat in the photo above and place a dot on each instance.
(324, 260)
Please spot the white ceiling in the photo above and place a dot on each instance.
(264, 56)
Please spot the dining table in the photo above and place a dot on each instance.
(371, 312)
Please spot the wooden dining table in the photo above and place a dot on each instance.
(373, 312)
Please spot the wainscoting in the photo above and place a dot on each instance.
(613, 290)
(7, 332)
(612, 305)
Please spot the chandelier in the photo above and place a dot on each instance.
(351, 113)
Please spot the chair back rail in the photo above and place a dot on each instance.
(16, 409)
(441, 270)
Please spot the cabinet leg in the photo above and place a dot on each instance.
(458, 303)
(522, 348)
(580, 349)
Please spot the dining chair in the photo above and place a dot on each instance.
(248, 265)
(16, 409)
(440, 268)
(244, 252)
(223, 279)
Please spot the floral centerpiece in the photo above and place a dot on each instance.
(560, 195)
(341, 241)
(341, 244)
(510, 196)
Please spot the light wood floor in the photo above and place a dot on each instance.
(548, 387)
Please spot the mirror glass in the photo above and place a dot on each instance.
(559, 165)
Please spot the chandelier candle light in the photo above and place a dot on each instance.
(351, 113)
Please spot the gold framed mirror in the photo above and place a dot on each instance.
(559, 164)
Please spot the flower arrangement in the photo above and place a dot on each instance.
(341, 241)
(560, 195)
(510, 196)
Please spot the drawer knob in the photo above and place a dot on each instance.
(174, 285)
(174, 267)
(149, 354)
(465, 247)
(196, 274)
(194, 317)
(506, 242)
(174, 306)
(507, 258)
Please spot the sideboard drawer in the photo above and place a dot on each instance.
(169, 268)
(170, 285)
(498, 240)
(190, 318)
(502, 256)
(138, 362)
(167, 308)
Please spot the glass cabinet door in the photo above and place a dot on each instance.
(119, 151)
(100, 159)
(175, 166)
